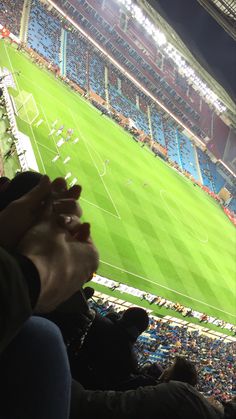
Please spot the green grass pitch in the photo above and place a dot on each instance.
(168, 238)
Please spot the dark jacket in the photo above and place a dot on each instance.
(173, 400)
(19, 290)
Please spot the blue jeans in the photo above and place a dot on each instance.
(35, 379)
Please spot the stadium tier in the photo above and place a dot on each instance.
(10, 15)
(127, 108)
(157, 127)
(97, 75)
(44, 33)
(76, 59)
(232, 205)
(204, 162)
(187, 155)
(154, 69)
(172, 143)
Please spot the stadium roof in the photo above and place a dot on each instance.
(202, 39)
(224, 11)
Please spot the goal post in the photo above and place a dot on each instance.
(26, 107)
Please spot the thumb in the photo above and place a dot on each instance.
(38, 195)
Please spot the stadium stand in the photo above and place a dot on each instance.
(76, 59)
(232, 205)
(44, 33)
(187, 153)
(97, 74)
(204, 162)
(164, 340)
(211, 177)
(112, 76)
(171, 143)
(128, 90)
(157, 127)
(10, 15)
(124, 106)
(218, 180)
(143, 103)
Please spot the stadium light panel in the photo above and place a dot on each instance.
(150, 28)
(160, 38)
(189, 73)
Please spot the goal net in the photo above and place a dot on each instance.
(26, 107)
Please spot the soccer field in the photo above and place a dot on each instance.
(168, 237)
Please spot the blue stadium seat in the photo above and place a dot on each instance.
(76, 56)
(172, 144)
(97, 75)
(123, 105)
(157, 128)
(211, 178)
(44, 33)
(187, 155)
(232, 205)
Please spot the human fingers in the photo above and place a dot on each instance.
(36, 198)
(82, 232)
(74, 192)
(59, 186)
(67, 206)
(79, 231)
(60, 191)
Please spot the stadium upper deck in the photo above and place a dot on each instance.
(123, 37)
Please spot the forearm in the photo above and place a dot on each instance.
(109, 404)
(19, 290)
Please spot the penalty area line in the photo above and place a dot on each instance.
(97, 206)
(94, 163)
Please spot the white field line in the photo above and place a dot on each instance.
(104, 171)
(46, 119)
(97, 206)
(58, 100)
(85, 143)
(47, 148)
(167, 288)
(12, 68)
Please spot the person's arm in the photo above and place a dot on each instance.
(19, 291)
(164, 401)
(132, 404)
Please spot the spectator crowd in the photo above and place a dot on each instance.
(163, 341)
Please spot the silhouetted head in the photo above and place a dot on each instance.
(135, 321)
(153, 369)
(88, 292)
(182, 370)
